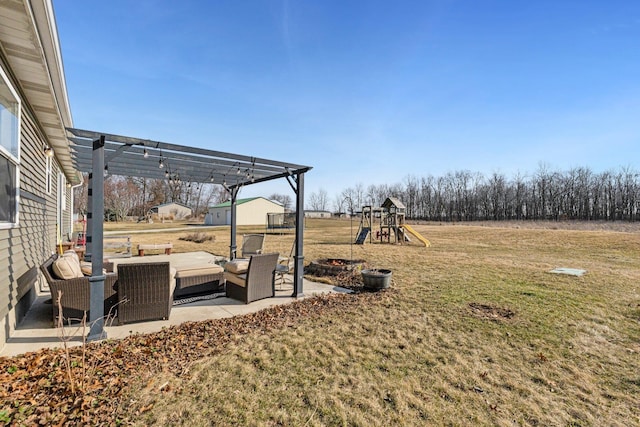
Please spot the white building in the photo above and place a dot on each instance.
(317, 214)
(171, 211)
(251, 211)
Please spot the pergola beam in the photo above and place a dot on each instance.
(167, 147)
(191, 165)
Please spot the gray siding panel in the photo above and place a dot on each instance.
(26, 246)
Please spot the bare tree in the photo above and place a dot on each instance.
(319, 201)
(338, 204)
(349, 200)
(120, 196)
(283, 199)
(80, 196)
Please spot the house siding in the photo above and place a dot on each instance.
(24, 247)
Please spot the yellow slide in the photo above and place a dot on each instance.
(415, 233)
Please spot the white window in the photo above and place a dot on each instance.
(9, 153)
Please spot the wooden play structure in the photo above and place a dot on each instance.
(389, 220)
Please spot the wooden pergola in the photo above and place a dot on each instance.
(97, 152)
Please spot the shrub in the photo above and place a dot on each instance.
(198, 237)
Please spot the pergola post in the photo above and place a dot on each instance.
(298, 269)
(95, 217)
(88, 245)
(233, 246)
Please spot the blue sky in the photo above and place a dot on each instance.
(364, 91)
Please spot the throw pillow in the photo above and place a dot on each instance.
(72, 254)
(66, 268)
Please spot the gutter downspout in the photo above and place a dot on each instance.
(73, 187)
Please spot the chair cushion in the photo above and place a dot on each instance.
(172, 281)
(65, 267)
(87, 268)
(198, 270)
(237, 266)
(237, 279)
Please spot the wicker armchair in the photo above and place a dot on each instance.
(145, 292)
(252, 244)
(75, 293)
(257, 283)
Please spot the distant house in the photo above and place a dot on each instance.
(171, 211)
(317, 214)
(341, 215)
(36, 170)
(251, 211)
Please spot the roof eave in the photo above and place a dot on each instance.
(32, 49)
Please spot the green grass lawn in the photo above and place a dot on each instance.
(474, 332)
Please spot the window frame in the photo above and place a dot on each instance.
(10, 157)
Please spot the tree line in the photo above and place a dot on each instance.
(129, 196)
(547, 194)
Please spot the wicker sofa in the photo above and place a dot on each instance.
(75, 299)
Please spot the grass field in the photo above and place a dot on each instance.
(474, 331)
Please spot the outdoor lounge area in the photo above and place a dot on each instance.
(145, 288)
(129, 156)
(36, 330)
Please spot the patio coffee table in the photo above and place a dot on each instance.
(198, 279)
(197, 273)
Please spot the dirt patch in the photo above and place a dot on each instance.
(345, 279)
(334, 266)
(489, 312)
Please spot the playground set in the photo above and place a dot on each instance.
(389, 220)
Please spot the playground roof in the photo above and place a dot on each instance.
(393, 201)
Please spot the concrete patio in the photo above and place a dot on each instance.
(36, 331)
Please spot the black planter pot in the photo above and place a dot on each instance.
(376, 278)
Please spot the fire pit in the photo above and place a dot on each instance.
(333, 266)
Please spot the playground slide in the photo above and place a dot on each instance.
(362, 236)
(415, 233)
